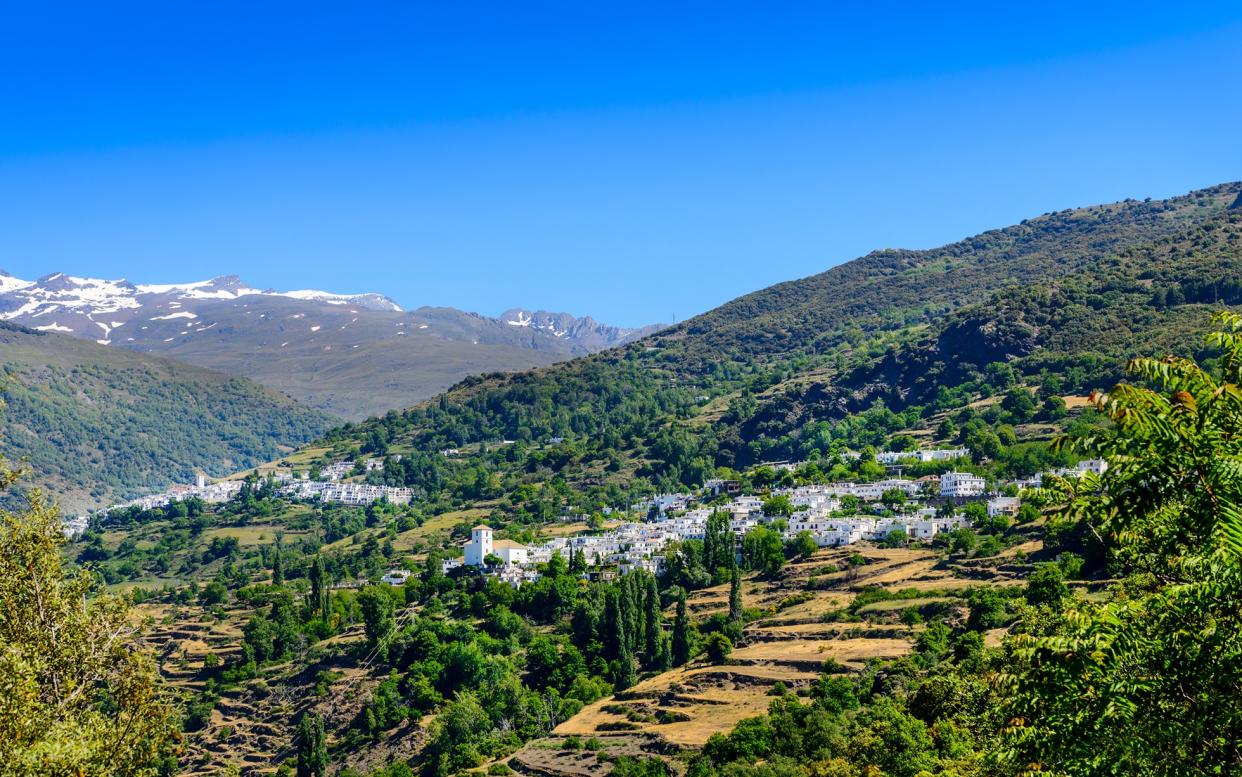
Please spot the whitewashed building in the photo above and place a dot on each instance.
(961, 484)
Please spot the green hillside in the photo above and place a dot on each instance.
(878, 345)
(274, 618)
(99, 424)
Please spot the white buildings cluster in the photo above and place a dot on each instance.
(924, 456)
(633, 546)
(212, 493)
(346, 493)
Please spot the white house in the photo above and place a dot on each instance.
(396, 577)
(961, 484)
(510, 552)
(1003, 505)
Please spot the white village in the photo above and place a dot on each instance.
(831, 514)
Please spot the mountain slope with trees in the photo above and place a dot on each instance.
(98, 424)
(854, 354)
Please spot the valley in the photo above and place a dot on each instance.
(814, 525)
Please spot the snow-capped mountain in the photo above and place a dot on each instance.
(348, 354)
(583, 330)
(96, 308)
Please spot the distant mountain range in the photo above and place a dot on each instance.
(351, 355)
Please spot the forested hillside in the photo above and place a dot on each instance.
(98, 424)
(298, 640)
(854, 354)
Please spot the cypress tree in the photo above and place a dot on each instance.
(585, 623)
(312, 748)
(319, 588)
(735, 596)
(613, 632)
(625, 675)
(709, 545)
(651, 625)
(681, 632)
(718, 550)
(278, 564)
(577, 560)
(664, 658)
(629, 612)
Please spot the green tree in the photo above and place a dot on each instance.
(718, 546)
(377, 613)
(735, 596)
(78, 695)
(613, 627)
(318, 603)
(1148, 681)
(763, 550)
(987, 609)
(778, 506)
(893, 498)
(213, 593)
(625, 674)
(718, 647)
(652, 621)
(1046, 585)
(312, 747)
(803, 544)
(1019, 404)
(681, 631)
(278, 564)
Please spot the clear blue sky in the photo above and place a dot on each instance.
(632, 161)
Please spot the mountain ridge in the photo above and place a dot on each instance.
(776, 373)
(322, 348)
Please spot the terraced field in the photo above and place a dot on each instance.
(808, 618)
(250, 729)
(805, 623)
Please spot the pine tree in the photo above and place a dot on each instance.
(681, 632)
(651, 624)
(312, 747)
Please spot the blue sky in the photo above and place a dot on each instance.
(635, 162)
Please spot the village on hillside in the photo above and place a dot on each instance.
(831, 515)
(329, 485)
(893, 509)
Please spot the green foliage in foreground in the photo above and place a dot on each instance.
(1148, 682)
(76, 695)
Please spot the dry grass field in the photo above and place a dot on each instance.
(804, 624)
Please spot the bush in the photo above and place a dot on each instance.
(718, 647)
